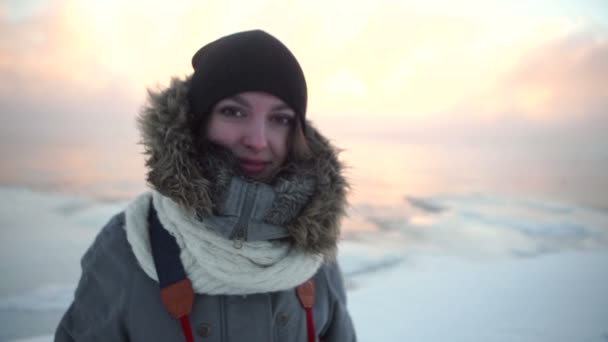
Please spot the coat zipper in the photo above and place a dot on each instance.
(239, 233)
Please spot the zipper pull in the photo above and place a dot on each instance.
(238, 243)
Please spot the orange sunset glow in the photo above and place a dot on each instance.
(76, 71)
(392, 59)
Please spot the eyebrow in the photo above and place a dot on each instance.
(240, 100)
(282, 106)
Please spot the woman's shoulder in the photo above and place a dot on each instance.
(110, 250)
(329, 280)
(112, 234)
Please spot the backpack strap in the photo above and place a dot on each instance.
(306, 295)
(176, 292)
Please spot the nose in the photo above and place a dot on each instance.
(255, 137)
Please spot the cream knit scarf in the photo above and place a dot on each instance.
(211, 262)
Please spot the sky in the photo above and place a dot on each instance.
(78, 69)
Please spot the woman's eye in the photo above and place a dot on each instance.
(283, 119)
(231, 111)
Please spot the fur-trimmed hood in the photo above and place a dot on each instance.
(310, 196)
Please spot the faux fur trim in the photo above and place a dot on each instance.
(175, 170)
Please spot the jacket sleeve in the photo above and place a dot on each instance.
(97, 312)
(340, 328)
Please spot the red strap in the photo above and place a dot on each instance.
(306, 295)
(186, 328)
(178, 299)
(310, 325)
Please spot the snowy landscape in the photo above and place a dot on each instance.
(473, 135)
(458, 267)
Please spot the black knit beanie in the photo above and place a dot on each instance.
(245, 61)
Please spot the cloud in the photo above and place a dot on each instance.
(563, 79)
(53, 86)
(394, 65)
(422, 64)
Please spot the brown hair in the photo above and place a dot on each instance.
(299, 150)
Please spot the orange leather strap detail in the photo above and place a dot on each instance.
(178, 298)
(306, 294)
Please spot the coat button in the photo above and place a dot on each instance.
(203, 330)
(282, 319)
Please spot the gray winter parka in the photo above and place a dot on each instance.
(117, 301)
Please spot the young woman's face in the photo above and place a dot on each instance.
(255, 127)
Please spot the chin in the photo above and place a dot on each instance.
(265, 177)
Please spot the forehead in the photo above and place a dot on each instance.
(257, 99)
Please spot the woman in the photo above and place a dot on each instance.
(237, 240)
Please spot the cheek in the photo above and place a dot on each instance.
(219, 133)
(280, 143)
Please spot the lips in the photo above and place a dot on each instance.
(252, 166)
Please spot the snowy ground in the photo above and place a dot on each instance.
(450, 268)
